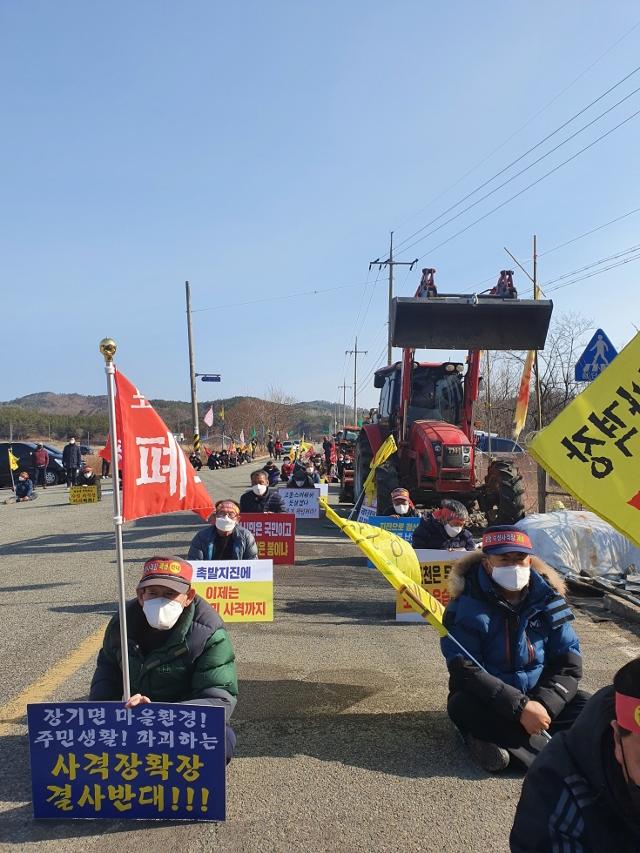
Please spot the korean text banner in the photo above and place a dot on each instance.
(303, 503)
(102, 760)
(435, 568)
(402, 527)
(592, 447)
(239, 590)
(275, 535)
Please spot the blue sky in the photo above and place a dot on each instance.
(261, 149)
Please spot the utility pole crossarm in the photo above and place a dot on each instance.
(355, 353)
(391, 263)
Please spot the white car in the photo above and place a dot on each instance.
(289, 447)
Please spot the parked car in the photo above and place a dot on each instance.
(23, 450)
(85, 450)
(289, 447)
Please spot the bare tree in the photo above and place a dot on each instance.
(279, 410)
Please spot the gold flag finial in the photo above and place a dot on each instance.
(108, 349)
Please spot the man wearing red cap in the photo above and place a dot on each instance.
(179, 649)
(225, 538)
(507, 610)
(403, 506)
(583, 792)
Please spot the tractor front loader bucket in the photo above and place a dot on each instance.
(470, 322)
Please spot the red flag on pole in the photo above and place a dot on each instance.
(156, 475)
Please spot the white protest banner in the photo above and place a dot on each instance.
(303, 503)
(323, 489)
(239, 590)
(435, 567)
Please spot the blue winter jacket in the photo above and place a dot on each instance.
(530, 650)
(24, 488)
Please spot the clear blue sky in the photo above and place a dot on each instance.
(260, 149)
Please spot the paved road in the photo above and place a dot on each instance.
(343, 741)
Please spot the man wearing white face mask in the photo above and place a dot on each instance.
(179, 649)
(402, 504)
(224, 539)
(507, 609)
(444, 528)
(261, 498)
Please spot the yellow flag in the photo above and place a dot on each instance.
(221, 414)
(592, 448)
(14, 463)
(522, 403)
(386, 449)
(397, 561)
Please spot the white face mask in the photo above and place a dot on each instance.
(72, 441)
(259, 489)
(299, 483)
(309, 470)
(452, 531)
(512, 578)
(225, 525)
(401, 509)
(162, 613)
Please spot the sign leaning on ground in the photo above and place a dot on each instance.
(593, 446)
(275, 535)
(303, 503)
(102, 760)
(85, 494)
(598, 354)
(435, 568)
(239, 590)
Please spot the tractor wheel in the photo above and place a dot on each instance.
(386, 481)
(362, 464)
(503, 500)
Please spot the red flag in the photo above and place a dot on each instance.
(105, 453)
(333, 455)
(156, 475)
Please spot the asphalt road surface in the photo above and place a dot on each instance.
(343, 739)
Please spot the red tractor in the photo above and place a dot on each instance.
(345, 441)
(429, 406)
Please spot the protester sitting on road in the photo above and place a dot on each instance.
(272, 472)
(179, 649)
(195, 460)
(261, 498)
(507, 610)
(311, 471)
(71, 460)
(40, 462)
(224, 538)
(23, 491)
(583, 792)
(403, 506)
(444, 528)
(286, 470)
(300, 479)
(86, 477)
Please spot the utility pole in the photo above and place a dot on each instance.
(391, 264)
(192, 374)
(343, 388)
(355, 353)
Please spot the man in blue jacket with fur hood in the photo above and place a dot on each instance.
(508, 611)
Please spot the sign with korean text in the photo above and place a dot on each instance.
(367, 512)
(592, 448)
(275, 535)
(303, 503)
(435, 567)
(402, 527)
(102, 760)
(239, 590)
(85, 494)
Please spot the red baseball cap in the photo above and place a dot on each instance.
(171, 572)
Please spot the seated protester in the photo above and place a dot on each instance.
(272, 472)
(311, 471)
(443, 529)
(24, 489)
(224, 538)
(507, 610)
(286, 470)
(195, 460)
(86, 477)
(300, 479)
(583, 791)
(402, 504)
(261, 498)
(179, 649)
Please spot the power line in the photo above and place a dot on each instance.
(597, 272)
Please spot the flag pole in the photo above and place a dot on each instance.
(108, 350)
(9, 455)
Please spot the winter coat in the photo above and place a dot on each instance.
(40, 458)
(269, 502)
(273, 474)
(431, 534)
(286, 471)
(309, 482)
(195, 664)
(243, 545)
(24, 488)
(86, 481)
(530, 650)
(574, 796)
(412, 512)
(71, 457)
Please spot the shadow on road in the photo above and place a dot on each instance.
(349, 610)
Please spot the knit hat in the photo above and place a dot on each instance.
(505, 538)
(167, 571)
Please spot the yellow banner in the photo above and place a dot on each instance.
(386, 449)
(592, 447)
(14, 464)
(248, 601)
(396, 560)
(84, 494)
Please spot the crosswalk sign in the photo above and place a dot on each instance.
(599, 353)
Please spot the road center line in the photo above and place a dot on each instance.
(11, 713)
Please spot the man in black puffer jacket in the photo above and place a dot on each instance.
(444, 528)
(261, 498)
(582, 794)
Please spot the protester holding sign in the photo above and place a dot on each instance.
(225, 539)
(583, 792)
(179, 650)
(301, 479)
(508, 611)
(403, 506)
(86, 477)
(261, 498)
(444, 528)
